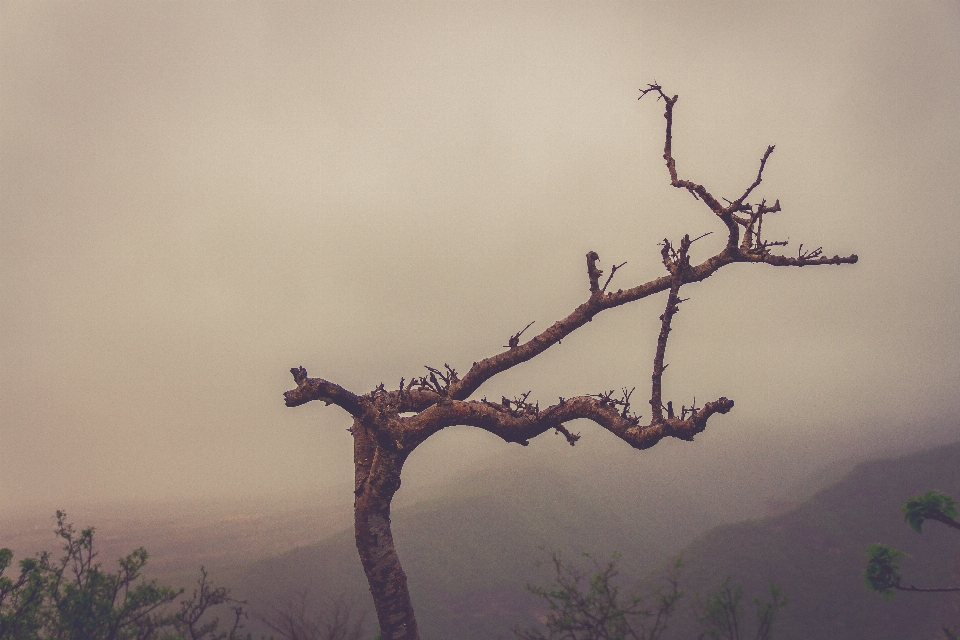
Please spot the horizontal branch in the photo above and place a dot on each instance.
(520, 423)
(309, 389)
(901, 587)
(443, 394)
(802, 261)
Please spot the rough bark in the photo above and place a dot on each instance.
(377, 478)
(384, 433)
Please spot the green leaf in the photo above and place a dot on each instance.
(883, 569)
(931, 505)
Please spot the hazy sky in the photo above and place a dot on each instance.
(197, 196)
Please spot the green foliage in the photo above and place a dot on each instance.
(75, 598)
(85, 601)
(20, 599)
(720, 613)
(580, 608)
(883, 569)
(931, 505)
(767, 611)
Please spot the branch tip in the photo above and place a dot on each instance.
(514, 340)
(593, 273)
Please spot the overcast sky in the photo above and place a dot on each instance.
(196, 197)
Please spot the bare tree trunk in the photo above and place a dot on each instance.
(377, 476)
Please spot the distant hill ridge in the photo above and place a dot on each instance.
(816, 551)
(469, 556)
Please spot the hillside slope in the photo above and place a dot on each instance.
(816, 552)
(470, 555)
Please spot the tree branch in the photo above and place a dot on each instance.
(309, 389)
(423, 393)
(677, 263)
(939, 517)
(698, 191)
(520, 424)
(802, 261)
(727, 214)
(901, 587)
(751, 250)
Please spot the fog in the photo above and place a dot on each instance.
(196, 197)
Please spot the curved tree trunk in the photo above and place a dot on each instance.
(377, 477)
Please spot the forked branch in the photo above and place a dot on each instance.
(424, 394)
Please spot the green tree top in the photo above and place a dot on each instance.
(931, 505)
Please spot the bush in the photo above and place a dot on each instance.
(75, 598)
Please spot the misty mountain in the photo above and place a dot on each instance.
(469, 555)
(816, 552)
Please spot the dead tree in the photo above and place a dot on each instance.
(385, 433)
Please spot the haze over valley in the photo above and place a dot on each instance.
(196, 197)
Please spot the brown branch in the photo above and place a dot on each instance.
(514, 340)
(599, 300)
(309, 389)
(571, 437)
(593, 273)
(520, 427)
(487, 368)
(925, 589)
(698, 191)
(783, 261)
(613, 270)
(747, 253)
(677, 263)
(754, 250)
(623, 401)
(752, 241)
(763, 162)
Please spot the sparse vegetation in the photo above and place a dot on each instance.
(595, 608)
(581, 608)
(338, 619)
(76, 598)
(720, 612)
